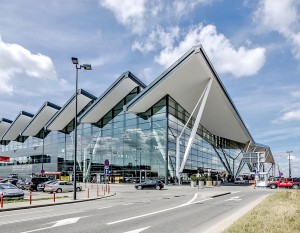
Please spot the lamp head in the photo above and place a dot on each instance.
(87, 67)
(74, 60)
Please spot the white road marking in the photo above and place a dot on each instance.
(146, 201)
(128, 203)
(166, 194)
(59, 223)
(235, 192)
(137, 230)
(153, 213)
(40, 217)
(237, 198)
(104, 207)
(202, 200)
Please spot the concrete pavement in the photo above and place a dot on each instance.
(98, 191)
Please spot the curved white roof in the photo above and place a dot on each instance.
(17, 126)
(184, 82)
(113, 95)
(67, 113)
(40, 119)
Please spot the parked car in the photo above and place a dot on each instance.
(40, 187)
(11, 192)
(21, 184)
(150, 184)
(32, 183)
(9, 180)
(284, 183)
(61, 186)
(240, 180)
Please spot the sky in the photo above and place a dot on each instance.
(254, 45)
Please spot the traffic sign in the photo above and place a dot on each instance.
(106, 162)
(107, 171)
(106, 167)
(42, 171)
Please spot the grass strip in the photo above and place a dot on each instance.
(280, 212)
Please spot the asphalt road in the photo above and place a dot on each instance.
(188, 210)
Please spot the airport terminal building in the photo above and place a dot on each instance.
(183, 123)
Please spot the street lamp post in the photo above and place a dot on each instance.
(290, 169)
(140, 164)
(78, 67)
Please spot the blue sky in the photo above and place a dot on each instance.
(253, 45)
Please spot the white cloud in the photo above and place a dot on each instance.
(289, 116)
(182, 7)
(282, 17)
(127, 12)
(142, 16)
(238, 62)
(16, 60)
(159, 36)
(295, 94)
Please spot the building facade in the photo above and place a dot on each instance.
(119, 141)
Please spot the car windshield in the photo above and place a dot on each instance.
(7, 186)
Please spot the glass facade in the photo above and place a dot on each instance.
(137, 147)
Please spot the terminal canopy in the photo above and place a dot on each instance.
(40, 119)
(4, 125)
(17, 126)
(113, 95)
(185, 81)
(67, 113)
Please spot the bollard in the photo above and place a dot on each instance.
(102, 187)
(30, 198)
(104, 192)
(97, 191)
(88, 193)
(54, 196)
(2, 200)
(108, 189)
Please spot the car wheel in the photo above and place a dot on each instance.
(58, 190)
(140, 187)
(157, 187)
(78, 189)
(273, 186)
(295, 186)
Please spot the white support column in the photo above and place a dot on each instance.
(178, 160)
(196, 124)
(178, 137)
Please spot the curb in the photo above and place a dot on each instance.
(222, 194)
(53, 204)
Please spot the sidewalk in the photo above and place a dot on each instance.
(89, 192)
(99, 191)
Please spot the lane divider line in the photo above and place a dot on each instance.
(153, 213)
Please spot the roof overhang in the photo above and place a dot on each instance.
(40, 119)
(112, 96)
(185, 81)
(267, 151)
(4, 125)
(67, 113)
(17, 126)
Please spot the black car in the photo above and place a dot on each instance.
(150, 184)
(32, 183)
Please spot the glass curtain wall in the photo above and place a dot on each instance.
(209, 155)
(134, 145)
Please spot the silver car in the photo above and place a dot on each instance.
(61, 186)
(11, 192)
